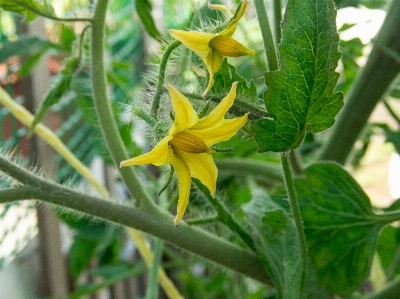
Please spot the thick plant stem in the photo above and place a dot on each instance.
(160, 225)
(104, 111)
(278, 20)
(294, 204)
(268, 40)
(380, 69)
(161, 76)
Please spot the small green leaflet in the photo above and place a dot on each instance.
(60, 86)
(300, 96)
(26, 45)
(143, 8)
(30, 9)
(341, 229)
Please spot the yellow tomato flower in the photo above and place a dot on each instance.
(213, 47)
(187, 145)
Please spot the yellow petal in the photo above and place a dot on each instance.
(185, 181)
(213, 64)
(160, 155)
(230, 29)
(218, 113)
(202, 167)
(185, 115)
(223, 131)
(230, 47)
(195, 41)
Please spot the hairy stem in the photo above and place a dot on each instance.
(104, 110)
(160, 224)
(277, 20)
(161, 76)
(294, 204)
(268, 40)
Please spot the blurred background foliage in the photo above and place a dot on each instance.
(134, 44)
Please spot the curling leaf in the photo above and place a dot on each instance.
(143, 8)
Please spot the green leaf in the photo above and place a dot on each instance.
(341, 229)
(246, 92)
(25, 45)
(143, 8)
(112, 275)
(80, 254)
(351, 50)
(300, 96)
(58, 89)
(277, 245)
(68, 37)
(392, 136)
(30, 9)
(226, 76)
(389, 250)
(29, 64)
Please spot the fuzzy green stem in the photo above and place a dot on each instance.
(152, 285)
(277, 20)
(15, 194)
(160, 224)
(104, 110)
(294, 204)
(155, 105)
(225, 216)
(295, 162)
(249, 167)
(388, 217)
(169, 180)
(143, 115)
(266, 32)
